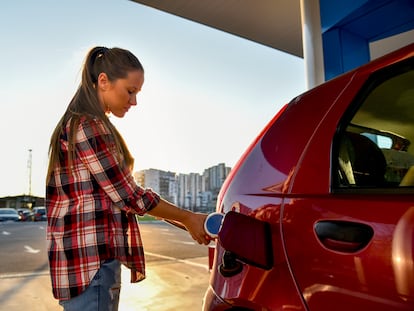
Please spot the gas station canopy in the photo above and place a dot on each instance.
(276, 24)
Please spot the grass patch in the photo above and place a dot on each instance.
(146, 217)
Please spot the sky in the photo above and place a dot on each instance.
(206, 96)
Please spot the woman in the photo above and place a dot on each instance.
(91, 197)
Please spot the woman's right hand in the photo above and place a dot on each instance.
(193, 222)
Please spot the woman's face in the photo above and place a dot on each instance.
(118, 96)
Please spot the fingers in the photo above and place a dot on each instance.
(202, 239)
(196, 228)
(206, 239)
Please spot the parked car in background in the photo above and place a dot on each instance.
(39, 213)
(319, 211)
(25, 214)
(8, 214)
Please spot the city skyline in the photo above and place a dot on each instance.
(193, 191)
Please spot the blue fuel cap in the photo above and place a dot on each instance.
(213, 223)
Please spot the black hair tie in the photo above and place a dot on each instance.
(100, 52)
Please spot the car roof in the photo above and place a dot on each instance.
(7, 209)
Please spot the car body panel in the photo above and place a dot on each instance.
(286, 178)
(334, 276)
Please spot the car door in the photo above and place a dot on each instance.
(349, 240)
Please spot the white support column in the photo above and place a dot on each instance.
(312, 42)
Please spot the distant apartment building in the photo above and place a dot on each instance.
(189, 187)
(164, 183)
(192, 191)
(213, 178)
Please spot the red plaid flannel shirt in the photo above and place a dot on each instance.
(91, 209)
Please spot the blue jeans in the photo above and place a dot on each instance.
(102, 293)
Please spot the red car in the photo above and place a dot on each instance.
(319, 211)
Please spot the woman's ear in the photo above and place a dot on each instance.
(103, 81)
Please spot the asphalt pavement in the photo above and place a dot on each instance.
(171, 284)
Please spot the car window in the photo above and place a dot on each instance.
(8, 211)
(374, 147)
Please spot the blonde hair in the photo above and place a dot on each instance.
(116, 63)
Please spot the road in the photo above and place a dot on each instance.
(177, 270)
(23, 245)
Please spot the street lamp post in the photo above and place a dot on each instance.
(29, 167)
